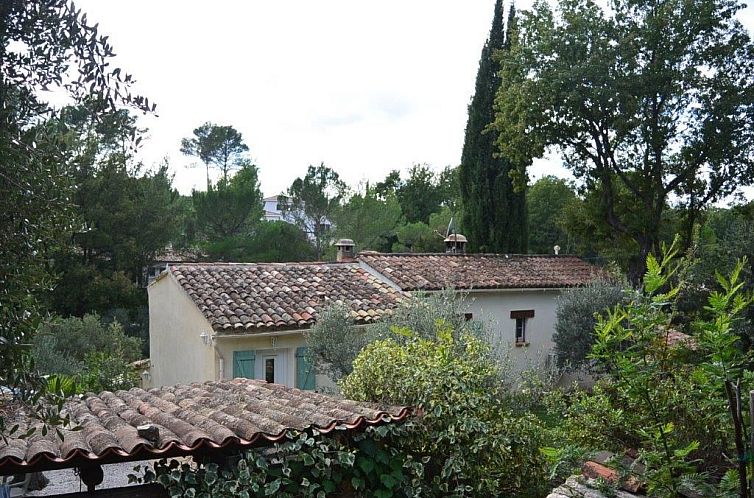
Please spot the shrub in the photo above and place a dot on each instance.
(683, 412)
(95, 354)
(335, 341)
(473, 442)
(576, 318)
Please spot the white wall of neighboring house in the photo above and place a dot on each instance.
(272, 213)
(177, 350)
(494, 309)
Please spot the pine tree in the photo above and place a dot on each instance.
(494, 214)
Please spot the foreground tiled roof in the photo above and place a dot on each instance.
(480, 271)
(240, 298)
(183, 420)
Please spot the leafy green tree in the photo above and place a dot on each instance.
(269, 241)
(421, 194)
(592, 237)
(390, 185)
(419, 237)
(220, 147)
(127, 218)
(546, 202)
(229, 208)
(494, 213)
(45, 45)
(369, 219)
(637, 97)
(312, 202)
(675, 398)
(725, 238)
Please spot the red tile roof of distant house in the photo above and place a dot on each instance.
(412, 272)
(251, 297)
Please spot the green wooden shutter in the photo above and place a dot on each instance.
(304, 370)
(243, 364)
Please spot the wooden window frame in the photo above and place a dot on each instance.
(521, 317)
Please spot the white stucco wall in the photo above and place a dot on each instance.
(177, 352)
(494, 308)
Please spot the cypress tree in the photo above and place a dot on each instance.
(494, 215)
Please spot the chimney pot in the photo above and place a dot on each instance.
(345, 250)
(455, 243)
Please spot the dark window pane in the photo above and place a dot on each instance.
(520, 329)
(269, 370)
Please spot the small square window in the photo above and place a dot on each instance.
(468, 316)
(521, 316)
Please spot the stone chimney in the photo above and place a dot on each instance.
(345, 250)
(455, 243)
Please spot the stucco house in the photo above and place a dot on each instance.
(220, 321)
(215, 321)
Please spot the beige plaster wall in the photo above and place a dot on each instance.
(494, 308)
(177, 352)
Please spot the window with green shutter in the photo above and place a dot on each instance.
(243, 364)
(304, 370)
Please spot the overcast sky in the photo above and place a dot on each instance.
(365, 87)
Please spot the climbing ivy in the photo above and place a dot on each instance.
(306, 464)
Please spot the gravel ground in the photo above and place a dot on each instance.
(66, 481)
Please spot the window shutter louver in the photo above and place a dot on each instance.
(243, 364)
(304, 370)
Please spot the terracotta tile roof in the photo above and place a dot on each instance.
(238, 298)
(480, 271)
(183, 420)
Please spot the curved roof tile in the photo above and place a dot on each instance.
(280, 296)
(239, 413)
(423, 271)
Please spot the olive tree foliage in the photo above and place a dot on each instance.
(577, 313)
(656, 100)
(43, 45)
(335, 340)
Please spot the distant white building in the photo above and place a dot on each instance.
(272, 212)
